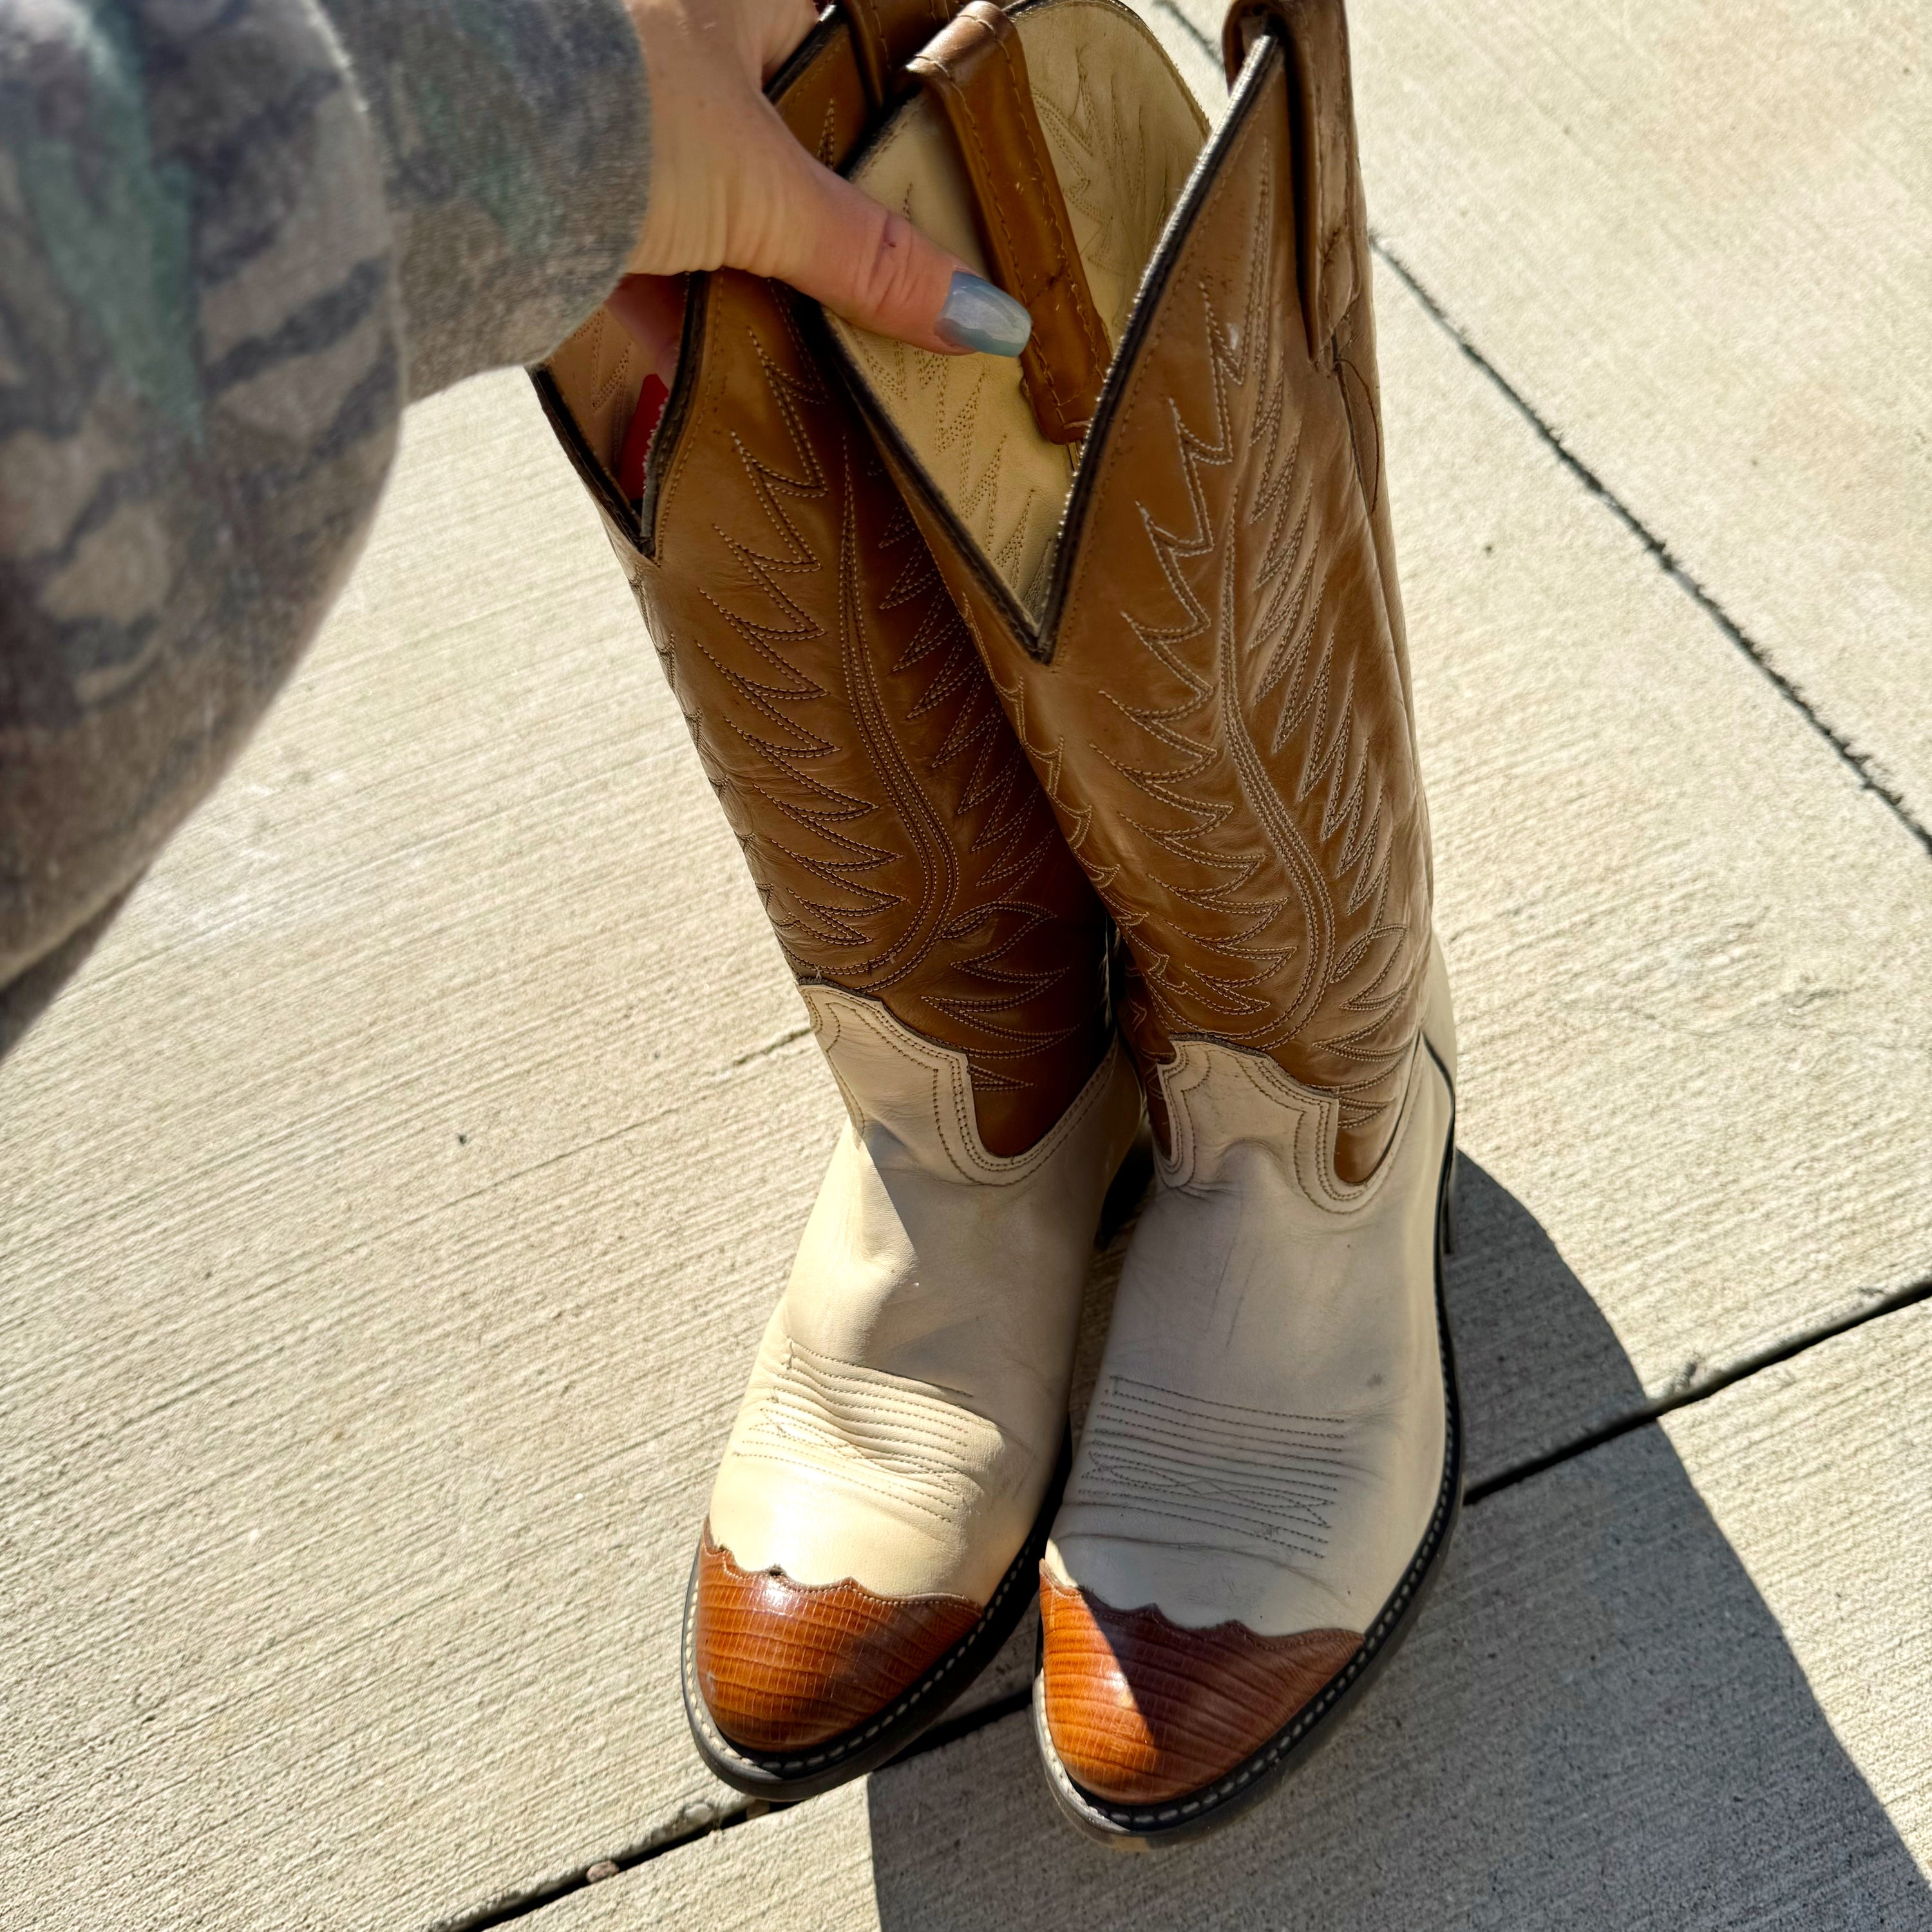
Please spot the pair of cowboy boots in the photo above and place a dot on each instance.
(1061, 708)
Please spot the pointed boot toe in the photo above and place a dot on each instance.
(784, 1666)
(1140, 1712)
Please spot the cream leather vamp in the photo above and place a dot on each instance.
(1266, 1445)
(910, 1395)
(1124, 134)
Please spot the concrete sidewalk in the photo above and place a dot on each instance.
(391, 1209)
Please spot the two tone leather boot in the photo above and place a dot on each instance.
(876, 1526)
(1169, 533)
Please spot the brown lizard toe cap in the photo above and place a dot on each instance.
(1141, 1711)
(784, 1665)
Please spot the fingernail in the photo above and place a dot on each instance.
(978, 316)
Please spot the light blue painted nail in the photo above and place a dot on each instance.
(978, 316)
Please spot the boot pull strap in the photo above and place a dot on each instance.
(976, 73)
(885, 34)
(1331, 233)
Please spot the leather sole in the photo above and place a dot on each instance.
(1175, 1821)
(783, 1777)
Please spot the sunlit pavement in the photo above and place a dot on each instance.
(388, 1213)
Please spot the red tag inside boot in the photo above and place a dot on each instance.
(651, 308)
(637, 438)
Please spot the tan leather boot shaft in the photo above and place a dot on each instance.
(1211, 677)
(900, 840)
(879, 1512)
(1204, 658)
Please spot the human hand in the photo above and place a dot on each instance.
(731, 187)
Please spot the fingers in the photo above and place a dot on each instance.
(730, 187)
(832, 242)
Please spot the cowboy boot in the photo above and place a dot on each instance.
(875, 1527)
(1198, 634)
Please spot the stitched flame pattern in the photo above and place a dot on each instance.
(873, 1431)
(897, 835)
(1266, 793)
(1221, 718)
(1266, 1478)
(1269, 855)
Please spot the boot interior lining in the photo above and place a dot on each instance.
(1125, 132)
(599, 372)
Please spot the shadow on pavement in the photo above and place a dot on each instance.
(1597, 1722)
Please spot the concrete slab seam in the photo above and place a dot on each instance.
(1854, 760)
(1015, 1703)
(777, 1043)
(1705, 1387)
(1660, 552)
(521, 1905)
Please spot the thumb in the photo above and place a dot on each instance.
(835, 243)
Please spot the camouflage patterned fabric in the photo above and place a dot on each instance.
(235, 237)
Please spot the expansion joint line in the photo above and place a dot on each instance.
(1855, 760)
(1701, 1389)
(521, 1905)
(950, 1730)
